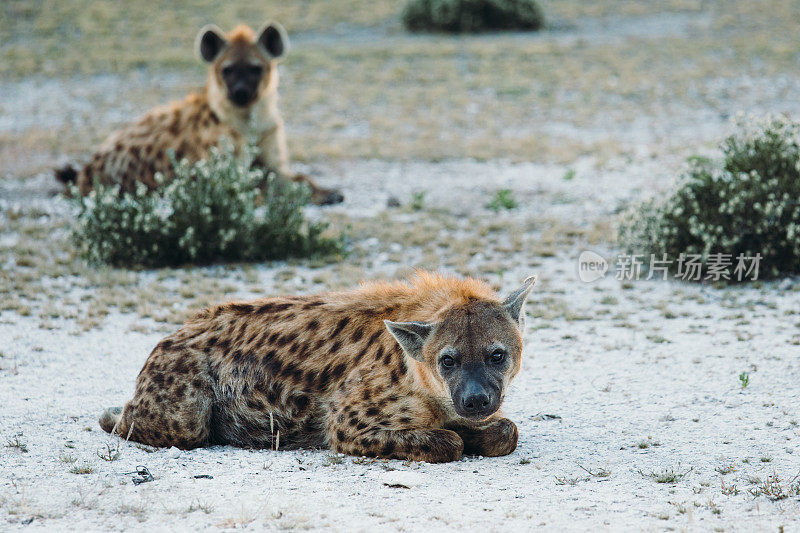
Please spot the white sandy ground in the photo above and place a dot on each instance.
(676, 393)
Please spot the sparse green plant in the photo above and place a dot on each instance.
(371, 461)
(744, 379)
(524, 461)
(726, 469)
(680, 507)
(82, 469)
(502, 199)
(16, 443)
(67, 458)
(463, 16)
(207, 508)
(571, 481)
(729, 490)
(218, 209)
(333, 459)
(776, 489)
(569, 175)
(667, 475)
(766, 459)
(110, 453)
(745, 206)
(418, 200)
(600, 472)
(713, 507)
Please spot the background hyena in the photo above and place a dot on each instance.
(239, 103)
(409, 371)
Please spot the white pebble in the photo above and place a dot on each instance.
(173, 453)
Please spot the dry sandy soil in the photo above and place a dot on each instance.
(647, 405)
(623, 385)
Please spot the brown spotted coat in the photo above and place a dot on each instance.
(322, 371)
(136, 152)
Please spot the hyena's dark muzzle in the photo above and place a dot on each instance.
(475, 396)
(242, 81)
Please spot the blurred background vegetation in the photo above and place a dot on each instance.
(357, 85)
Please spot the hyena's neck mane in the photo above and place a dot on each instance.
(427, 293)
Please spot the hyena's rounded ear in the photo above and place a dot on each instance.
(273, 38)
(210, 42)
(515, 301)
(411, 336)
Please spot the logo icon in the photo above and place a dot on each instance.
(591, 266)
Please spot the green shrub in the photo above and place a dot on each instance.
(463, 16)
(502, 199)
(213, 210)
(748, 203)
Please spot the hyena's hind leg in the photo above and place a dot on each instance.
(110, 418)
(171, 406)
(162, 423)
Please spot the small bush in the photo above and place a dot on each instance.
(747, 204)
(217, 209)
(465, 16)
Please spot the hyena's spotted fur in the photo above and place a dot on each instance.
(239, 103)
(326, 371)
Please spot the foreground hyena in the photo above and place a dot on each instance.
(239, 103)
(408, 371)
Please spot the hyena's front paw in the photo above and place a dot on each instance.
(319, 195)
(327, 197)
(499, 437)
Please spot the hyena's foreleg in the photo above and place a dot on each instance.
(429, 445)
(275, 156)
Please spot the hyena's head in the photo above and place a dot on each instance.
(472, 350)
(242, 63)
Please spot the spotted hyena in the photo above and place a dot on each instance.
(406, 370)
(239, 103)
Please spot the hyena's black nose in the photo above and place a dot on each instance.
(476, 403)
(240, 96)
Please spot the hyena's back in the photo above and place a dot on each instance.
(139, 150)
(244, 373)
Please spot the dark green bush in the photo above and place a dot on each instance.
(749, 203)
(214, 210)
(464, 16)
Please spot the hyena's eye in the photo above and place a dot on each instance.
(447, 361)
(227, 71)
(255, 70)
(498, 355)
